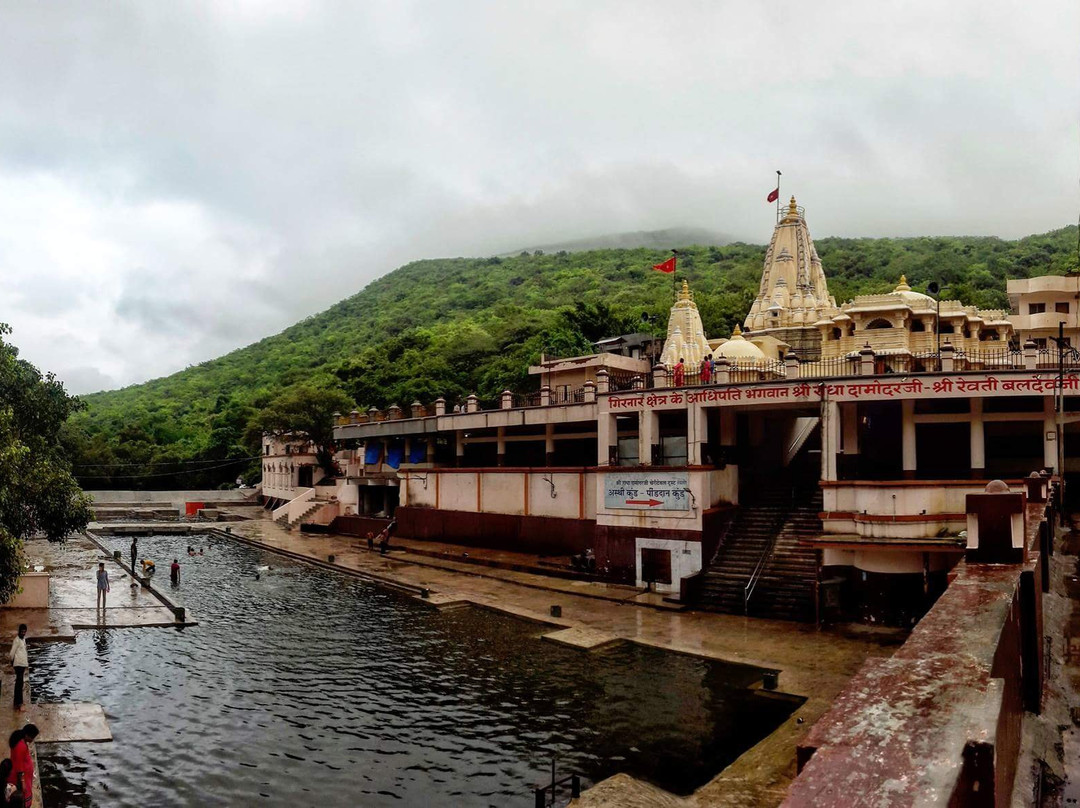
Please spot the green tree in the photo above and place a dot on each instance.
(38, 494)
(303, 412)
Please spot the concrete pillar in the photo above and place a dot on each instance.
(948, 357)
(429, 455)
(648, 429)
(866, 361)
(417, 409)
(1050, 458)
(791, 365)
(545, 396)
(506, 400)
(603, 381)
(830, 439)
(727, 427)
(408, 448)
(1031, 355)
(440, 406)
(459, 448)
(500, 446)
(849, 417)
(472, 403)
(590, 392)
(697, 434)
(661, 378)
(722, 371)
(393, 412)
(907, 432)
(978, 440)
(605, 438)
(549, 444)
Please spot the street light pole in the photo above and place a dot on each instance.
(934, 289)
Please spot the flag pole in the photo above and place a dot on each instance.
(674, 277)
(777, 196)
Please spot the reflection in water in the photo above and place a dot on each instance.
(101, 646)
(312, 688)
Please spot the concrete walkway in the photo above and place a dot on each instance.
(814, 664)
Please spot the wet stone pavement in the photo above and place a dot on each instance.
(308, 687)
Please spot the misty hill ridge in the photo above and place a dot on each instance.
(667, 239)
(450, 327)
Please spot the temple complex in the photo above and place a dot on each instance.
(830, 463)
(820, 467)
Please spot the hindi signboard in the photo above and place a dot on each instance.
(647, 491)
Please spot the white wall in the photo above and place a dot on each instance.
(504, 492)
(685, 560)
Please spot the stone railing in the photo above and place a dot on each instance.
(864, 362)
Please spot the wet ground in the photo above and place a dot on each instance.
(308, 687)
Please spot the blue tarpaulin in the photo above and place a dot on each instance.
(372, 453)
(418, 451)
(395, 453)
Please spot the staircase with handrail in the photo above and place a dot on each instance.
(763, 568)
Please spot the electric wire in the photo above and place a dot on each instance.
(159, 474)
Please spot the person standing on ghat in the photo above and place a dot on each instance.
(22, 763)
(706, 370)
(174, 572)
(102, 584)
(134, 552)
(20, 663)
(680, 371)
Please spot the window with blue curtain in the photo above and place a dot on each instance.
(418, 451)
(395, 453)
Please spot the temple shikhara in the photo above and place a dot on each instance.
(825, 461)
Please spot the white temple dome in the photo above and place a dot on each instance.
(738, 347)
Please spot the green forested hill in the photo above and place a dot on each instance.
(454, 326)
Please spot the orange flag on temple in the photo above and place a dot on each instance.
(774, 195)
(667, 266)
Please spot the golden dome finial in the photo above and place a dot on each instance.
(685, 293)
(903, 285)
(792, 208)
(737, 332)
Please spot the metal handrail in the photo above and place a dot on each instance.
(759, 568)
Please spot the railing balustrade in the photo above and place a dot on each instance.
(749, 372)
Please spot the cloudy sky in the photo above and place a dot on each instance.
(181, 179)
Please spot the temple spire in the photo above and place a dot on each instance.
(793, 294)
(685, 333)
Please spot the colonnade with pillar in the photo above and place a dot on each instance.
(841, 435)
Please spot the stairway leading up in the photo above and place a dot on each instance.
(765, 536)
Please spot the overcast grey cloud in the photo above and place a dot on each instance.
(180, 179)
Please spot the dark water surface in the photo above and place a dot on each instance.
(311, 688)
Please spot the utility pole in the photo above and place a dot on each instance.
(1060, 409)
(934, 289)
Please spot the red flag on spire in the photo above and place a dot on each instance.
(667, 266)
(774, 195)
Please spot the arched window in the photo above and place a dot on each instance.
(918, 325)
(836, 333)
(989, 336)
(878, 323)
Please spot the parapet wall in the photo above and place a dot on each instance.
(938, 723)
